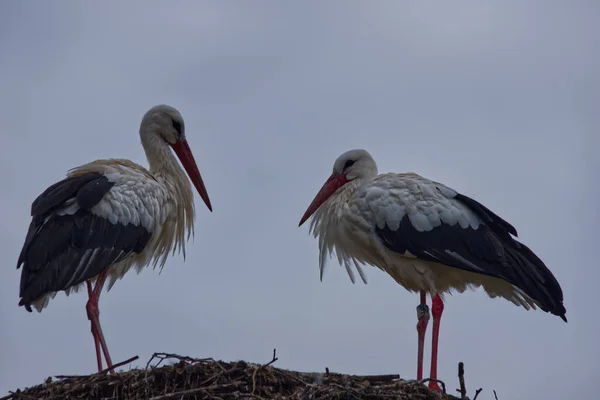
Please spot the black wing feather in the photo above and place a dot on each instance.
(61, 251)
(56, 195)
(498, 224)
(487, 250)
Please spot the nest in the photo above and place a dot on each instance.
(189, 378)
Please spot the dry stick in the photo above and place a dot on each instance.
(261, 367)
(495, 395)
(434, 380)
(220, 373)
(370, 378)
(191, 391)
(477, 393)
(461, 380)
(379, 378)
(163, 356)
(104, 371)
(117, 365)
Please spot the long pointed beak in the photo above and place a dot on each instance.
(332, 184)
(182, 149)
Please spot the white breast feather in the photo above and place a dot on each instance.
(139, 199)
(134, 199)
(346, 224)
(390, 197)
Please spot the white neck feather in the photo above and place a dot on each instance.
(328, 225)
(166, 169)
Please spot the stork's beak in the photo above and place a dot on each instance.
(332, 184)
(182, 149)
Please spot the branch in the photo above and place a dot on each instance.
(461, 380)
(261, 367)
(434, 380)
(370, 378)
(104, 371)
(196, 390)
(117, 365)
(272, 360)
(495, 395)
(379, 378)
(477, 393)
(165, 356)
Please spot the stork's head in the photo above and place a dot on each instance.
(353, 164)
(164, 123)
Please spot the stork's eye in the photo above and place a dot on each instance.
(177, 126)
(348, 164)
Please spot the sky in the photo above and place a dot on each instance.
(498, 100)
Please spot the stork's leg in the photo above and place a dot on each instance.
(94, 333)
(437, 308)
(423, 316)
(94, 316)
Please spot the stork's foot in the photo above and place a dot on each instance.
(433, 385)
(93, 313)
(423, 316)
(437, 308)
(423, 313)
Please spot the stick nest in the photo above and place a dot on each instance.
(189, 378)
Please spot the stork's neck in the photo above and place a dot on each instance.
(347, 191)
(334, 207)
(164, 166)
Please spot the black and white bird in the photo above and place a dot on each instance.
(429, 238)
(111, 215)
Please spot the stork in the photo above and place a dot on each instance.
(429, 238)
(110, 215)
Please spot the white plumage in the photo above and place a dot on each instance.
(427, 237)
(386, 200)
(110, 215)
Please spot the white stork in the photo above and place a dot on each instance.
(110, 215)
(429, 238)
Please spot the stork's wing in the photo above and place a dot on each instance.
(436, 223)
(67, 243)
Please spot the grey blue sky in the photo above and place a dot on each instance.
(498, 100)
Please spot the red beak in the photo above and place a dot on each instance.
(182, 149)
(332, 184)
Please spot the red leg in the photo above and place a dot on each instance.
(437, 308)
(94, 315)
(94, 334)
(423, 316)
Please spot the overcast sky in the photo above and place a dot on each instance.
(498, 100)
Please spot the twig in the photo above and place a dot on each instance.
(495, 395)
(117, 365)
(219, 374)
(461, 380)
(273, 360)
(379, 378)
(19, 395)
(370, 378)
(104, 371)
(261, 367)
(195, 390)
(164, 356)
(434, 380)
(477, 393)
